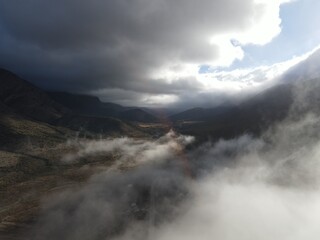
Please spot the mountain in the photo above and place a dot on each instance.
(86, 105)
(162, 113)
(137, 115)
(28, 100)
(99, 125)
(269, 106)
(4, 109)
(21, 102)
(29, 114)
(200, 114)
(305, 70)
(193, 114)
(36, 133)
(17, 131)
(251, 116)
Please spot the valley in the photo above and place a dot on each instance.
(46, 140)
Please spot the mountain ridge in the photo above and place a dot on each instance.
(28, 100)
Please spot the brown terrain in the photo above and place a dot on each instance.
(35, 132)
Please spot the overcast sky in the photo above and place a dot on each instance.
(156, 52)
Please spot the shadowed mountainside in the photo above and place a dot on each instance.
(28, 114)
(201, 114)
(92, 106)
(35, 132)
(251, 116)
(256, 114)
(86, 105)
(26, 99)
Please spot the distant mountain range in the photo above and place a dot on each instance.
(23, 102)
(252, 116)
(37, 104)
(92, 106)
(27, 112)
(201, 114)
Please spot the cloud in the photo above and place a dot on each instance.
(225, 85)
(130, 151)
(135, 46)
(244, 188)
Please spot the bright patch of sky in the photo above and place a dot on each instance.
(262, 64)
(300, 33)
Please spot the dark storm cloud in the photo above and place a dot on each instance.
(92, 45)
(77, 24)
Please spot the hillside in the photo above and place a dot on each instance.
(28, 100)
(201, 114)
(251, 116)
(36, 132)
(28, 114)
(86, 105)
(137, 115)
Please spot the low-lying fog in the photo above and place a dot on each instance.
(244, 188)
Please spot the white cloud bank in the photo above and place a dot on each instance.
(245, 188)
(130, 151)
